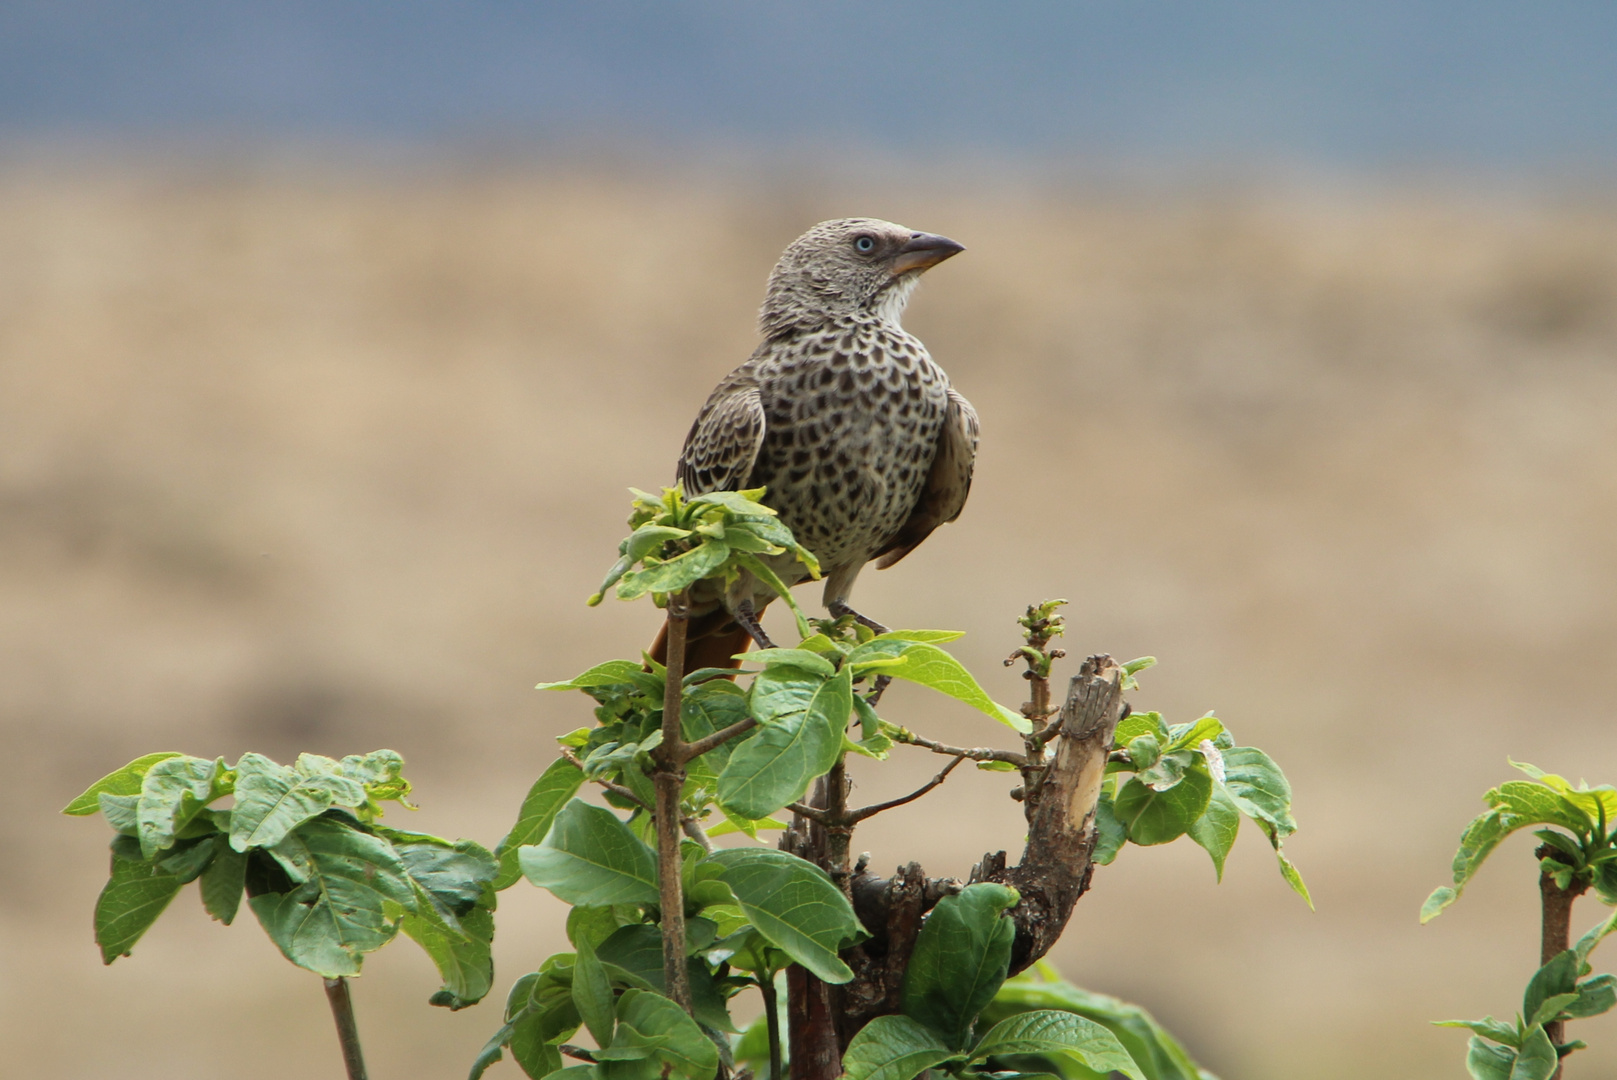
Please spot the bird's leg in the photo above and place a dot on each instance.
(839, 608)
(749, 622)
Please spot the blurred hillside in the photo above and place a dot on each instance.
(327, 460)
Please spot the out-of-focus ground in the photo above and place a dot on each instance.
(322, 460)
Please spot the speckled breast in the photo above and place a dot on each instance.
(852, 419)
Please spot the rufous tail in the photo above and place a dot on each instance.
(711, 641)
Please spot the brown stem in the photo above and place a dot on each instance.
(766, 985)
(669, 779)
(708, 742)
(856, 816)
(617, 789)
(342, 1011)
(975, 753)
(1556, 935)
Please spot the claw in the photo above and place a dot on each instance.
(749, 622)
(839, 609)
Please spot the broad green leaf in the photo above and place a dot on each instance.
(960, 959)
(452, 875)
(650, 1025)
(709, 707)
(124, 781)
(1060, 1033)
(591, 857)
(1157, 1053)
(1595, 996)
(794, 905)
(1536, 1060)
(746, 826)
(222, 882)
(119, 812)
(678, 573)
(801, 658)
(1484, 1061)
(1144, 751)
(894, 1048)
(556, 785)
(1557, 977)
(1535, 804)
(492, 1052)
(1595, 803)
(1551, 1007)
(611, 673)
(1586, 944)
(173, 792)
(594, 924)
(1134, 725)
(1208, 727)
(272, 800)
(1493, 1029)
(1156, 817)
(931, 666)
(592, 994)
(462, 952)
(1287, 870)
(134, 896)
(187, 859)
(1215, 830)
(636, 546)
(803, 716)
(349, 891)
(537, 1058)
(1259, 788)
(633, 956)
(927, 637)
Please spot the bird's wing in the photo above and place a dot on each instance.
(723, 442)
(947, 483)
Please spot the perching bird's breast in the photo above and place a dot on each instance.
(852, 420)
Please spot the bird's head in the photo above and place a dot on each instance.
(848, 267)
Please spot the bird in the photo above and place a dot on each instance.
(863, 446)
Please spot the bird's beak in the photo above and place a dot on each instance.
(924, 251)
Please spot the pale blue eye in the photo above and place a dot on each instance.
(864, 245)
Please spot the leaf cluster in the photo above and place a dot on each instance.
(1581, 845)
(1560, 990)
(961, 958)
(677, 542)
(749, 912)
(304, 844)
(1166, 781)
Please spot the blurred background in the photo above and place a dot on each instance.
(331, 336)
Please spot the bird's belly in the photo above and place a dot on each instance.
(845, 479)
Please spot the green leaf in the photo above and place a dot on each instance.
(802, 658)
(1259, 788)
(1055, 1032)
(492, 1052)
(1190, 736)
(678, 573)
(1487, 1062)
(1134, 725)
(1287, 870)
(1156, 817)
(803, 716)
(1536, 804)
(961, 956)
(462, 952)
(709, 707)
(793, 904)
(637, 545)
(927, 637)
(592, 994)
(272, 800)
(556, 785)
(1536, 1060)
(893, 1048)
(611, 673)
(1496, 1030)
(172, 792)
(931, 666)
(650, 1025)
(349, 891)
(633, 956)
(222, 882)
(1215, 830)
(124, 781)
(1595, 996)
(134, 896)
(1158, 1054)
(591, 857)
(1110, 835)
(1555, 978)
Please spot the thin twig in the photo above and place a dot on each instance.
(766, 985)
(813, 813)
(342, 1010)
(976, 753)
(579, 1052)
(856, 816)
(669, 780)
(707, 742)
(616, 789)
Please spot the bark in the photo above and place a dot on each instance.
(1052, 875)
(1556, 934)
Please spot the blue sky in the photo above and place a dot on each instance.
(1357, 85)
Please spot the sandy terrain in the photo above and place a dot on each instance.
(302, 459)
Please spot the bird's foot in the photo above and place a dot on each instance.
(876, 691)
(749, 622)
(839, 609)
